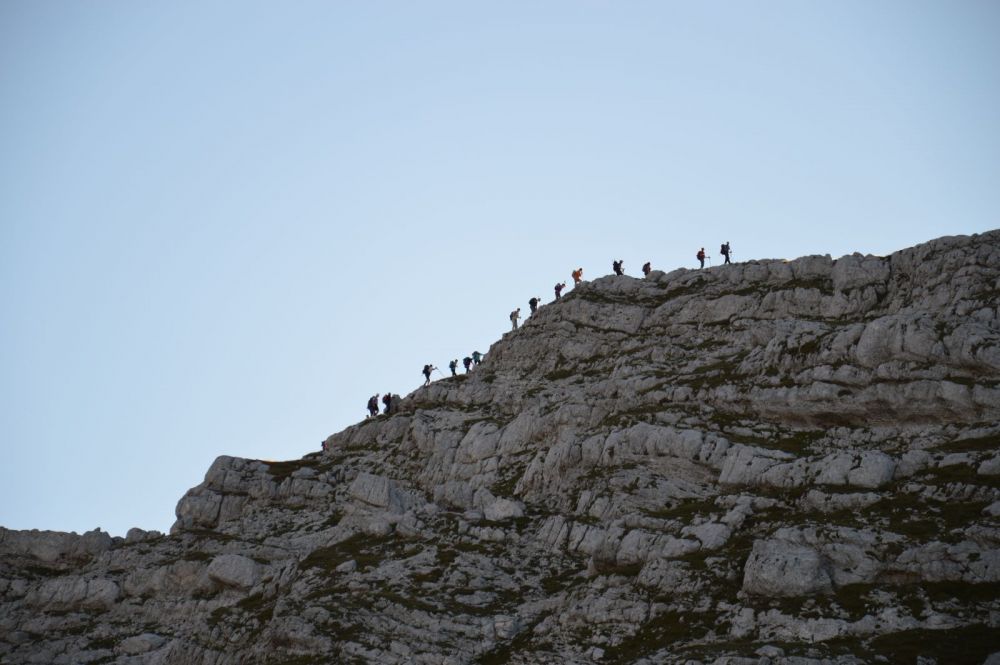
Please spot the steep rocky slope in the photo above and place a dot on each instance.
(776, 461)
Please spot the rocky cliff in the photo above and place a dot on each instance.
(768, 462)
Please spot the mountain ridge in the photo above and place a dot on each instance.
(785, 460)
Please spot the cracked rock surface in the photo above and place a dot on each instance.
(765, 462)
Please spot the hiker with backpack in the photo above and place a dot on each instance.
(476, 357)
(373, 406)
(725, 251)
(617, 267)
(427, 374)
(701, 257)
(514, 316)
(646, 269)
(577, 276)
(467, 361)
(453, 365)
(533, 304)
(387, 401)
(558, 289)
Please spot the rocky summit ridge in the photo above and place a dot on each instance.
(766, 462)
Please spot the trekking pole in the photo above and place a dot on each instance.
(440, 372)
(709, 260)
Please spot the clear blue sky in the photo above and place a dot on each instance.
(224, 225)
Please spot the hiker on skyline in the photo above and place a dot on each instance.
(617, 267)
(476, 357)
(533, 304)
(577, 275)
(514, 316)
(427, 374)
(725, 251)
(373, 406)
(646, 269)
(453, 365)
(387, 401)
(558, 289)
(701, 257)
(467, 361)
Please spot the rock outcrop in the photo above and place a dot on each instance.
(767, 462)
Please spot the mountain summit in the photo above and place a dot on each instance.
(765, 462)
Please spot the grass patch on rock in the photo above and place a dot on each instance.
(281, 470)
(365, 550)
(969, 644)
(661, 632)
(973, 445)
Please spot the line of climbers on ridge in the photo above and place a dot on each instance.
(470, 361)
(387, 401)
(724, 250)
(618, 267)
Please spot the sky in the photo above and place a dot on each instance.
(225, 225)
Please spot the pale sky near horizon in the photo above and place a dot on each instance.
(224, 225)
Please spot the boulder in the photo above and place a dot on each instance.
(380, 492)
(503, 509)
(778, 568)
(234, 570)
(143, 643)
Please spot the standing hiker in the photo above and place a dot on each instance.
(453, 365)
(701, 257)
(387, 401)
(558, 289)
(476, 357)
(725, 251)
(617, 267)
(427, 374)
(373, 406)
(577, 275)
(467, 361)
(646, 269)
(514, 316)
(533, 304)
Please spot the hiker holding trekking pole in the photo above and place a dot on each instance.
(726, 251)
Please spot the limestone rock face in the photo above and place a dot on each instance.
(73, 593)
(771, 461)
(777, 568)
(50, 546)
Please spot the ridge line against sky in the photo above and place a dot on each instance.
(223, 226)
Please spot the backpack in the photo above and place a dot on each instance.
(427, 369)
